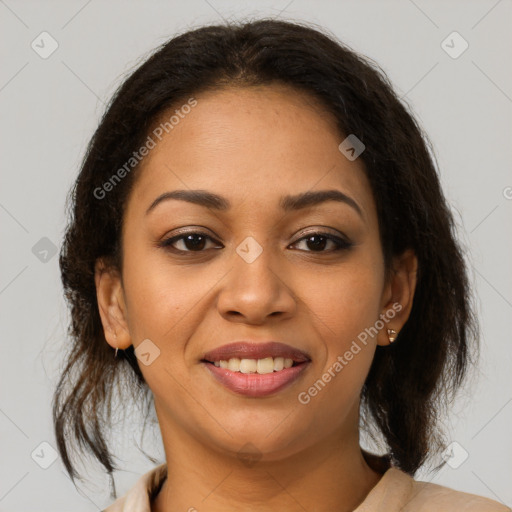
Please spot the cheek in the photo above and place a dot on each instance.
(347, 300)
(160, 297)
(345, 305)
(347, 308)
(163, 305)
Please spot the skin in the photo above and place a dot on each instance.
(252, 146)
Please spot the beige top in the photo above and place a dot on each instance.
(395, 491)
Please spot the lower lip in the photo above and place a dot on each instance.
(254, 384)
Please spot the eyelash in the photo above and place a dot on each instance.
(340, 242)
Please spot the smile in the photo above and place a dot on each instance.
(254, 384)
(256, 369)
(260, 366)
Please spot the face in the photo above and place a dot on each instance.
(255, 265)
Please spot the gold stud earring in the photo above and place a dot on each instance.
(391, 335)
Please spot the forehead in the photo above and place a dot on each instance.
(252, 145)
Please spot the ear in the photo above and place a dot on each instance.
(398, 295)
(109, 293)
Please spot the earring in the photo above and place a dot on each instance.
(391, 335)
(117, 348)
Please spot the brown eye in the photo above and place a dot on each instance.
(187, 242)
(317, 242)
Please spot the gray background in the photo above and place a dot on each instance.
(51, 106)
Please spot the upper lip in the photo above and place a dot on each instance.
(256, 350)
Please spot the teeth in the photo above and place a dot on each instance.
(278, 364)
(265, 365)
(234, 364)
(260, 366)
(249, 365)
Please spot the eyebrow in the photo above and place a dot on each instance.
(287, 203)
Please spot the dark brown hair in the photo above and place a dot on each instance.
(409, 381)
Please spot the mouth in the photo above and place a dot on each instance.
(244, 350)
(256, 369)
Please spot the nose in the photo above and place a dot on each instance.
(254, 292)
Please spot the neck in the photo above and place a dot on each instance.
(329, 475)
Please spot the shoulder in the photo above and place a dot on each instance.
(425, 496)
(139, 497)
(398, 491)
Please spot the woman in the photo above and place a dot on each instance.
(259, 245)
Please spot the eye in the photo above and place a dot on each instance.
(317, 241)
(197, 241)
(193, 241)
